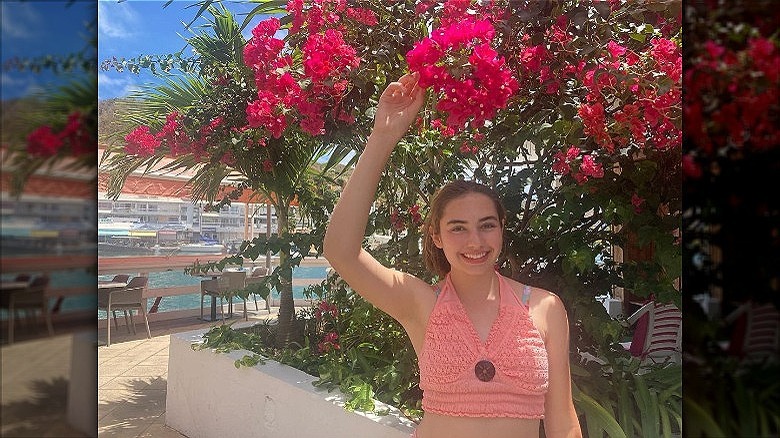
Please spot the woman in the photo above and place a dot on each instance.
(493, 353)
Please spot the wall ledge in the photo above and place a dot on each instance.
(209, 397)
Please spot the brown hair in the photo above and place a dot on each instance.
(434, 257)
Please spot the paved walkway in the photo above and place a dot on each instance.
(132, 378)
(35, 375)
(131, 374)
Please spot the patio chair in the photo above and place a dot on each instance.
(121, 278)
(32, 298)
(258, 275)
(756, 331)
(657, 334)
(215, 288)
(128, 298)
(236, 282)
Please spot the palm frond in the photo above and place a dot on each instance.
(268, 7)
(150, 104)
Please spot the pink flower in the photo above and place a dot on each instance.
(43, 142)
(615, 49)
(561, 165)
(714, 49)
(690, 167)
(141, 142)
(364, 16)
(637, 201)
(590, 168)
(472, 92)
(328, 56)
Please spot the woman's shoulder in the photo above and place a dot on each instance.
(538, 296)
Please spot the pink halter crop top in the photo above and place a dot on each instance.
(505, 376)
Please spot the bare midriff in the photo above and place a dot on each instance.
(445, 426)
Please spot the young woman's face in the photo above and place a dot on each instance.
(470, 233)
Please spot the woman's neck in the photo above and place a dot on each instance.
(475, 288)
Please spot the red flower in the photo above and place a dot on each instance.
(459, 62)
(637, 201)
(690, 167)
(329, 342)
(141, 142)
(43, 142)
(77, 136)
(396, 222)
(590, 168)
(325, 308)
(365, 16)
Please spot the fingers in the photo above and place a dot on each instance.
(407, 85)
(409, 80)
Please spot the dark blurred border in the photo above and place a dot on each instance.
(39, 371)
(731, 226)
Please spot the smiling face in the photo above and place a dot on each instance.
(470, 233)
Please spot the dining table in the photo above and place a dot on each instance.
(13, 285)
(110, 285)
(9, 288)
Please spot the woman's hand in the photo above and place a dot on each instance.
(398, 107)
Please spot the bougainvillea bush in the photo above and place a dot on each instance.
(571, 110)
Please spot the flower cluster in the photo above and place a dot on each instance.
(731, 98)
(173, 139)
(649, 112)
(44, 142)
(286, 95)
(326, 310)
(400, 222)
(459, 62)
(141, 142)
(537, 61)
(637, 202)
(581, 168)
(329, 343)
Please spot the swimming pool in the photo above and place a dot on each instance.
(86, 279)
(192, 301)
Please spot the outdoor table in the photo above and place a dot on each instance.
(111, 284)
(9, 287)
(13, 285)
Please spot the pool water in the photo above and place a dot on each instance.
(192, 301)
(85, 278)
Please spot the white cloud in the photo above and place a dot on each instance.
(19, 19)
(115, 86)
(11, 81)
(116, 20)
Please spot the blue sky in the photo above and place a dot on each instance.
(36, 28)
(125, 29)
(132, 28)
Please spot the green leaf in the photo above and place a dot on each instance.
(599, 419)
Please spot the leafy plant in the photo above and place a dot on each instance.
(624, 397)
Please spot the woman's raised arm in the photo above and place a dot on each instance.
(389, 290)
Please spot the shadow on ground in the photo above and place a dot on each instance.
(45, 414)
(134, 413)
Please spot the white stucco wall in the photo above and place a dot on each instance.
(208, 397)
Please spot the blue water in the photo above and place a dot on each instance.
(68, 278)
(85, 278)
(192, 301)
